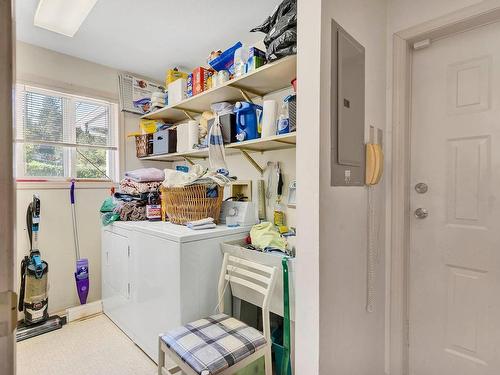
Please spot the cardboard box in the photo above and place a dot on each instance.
(256, 59)
(200, 77)
(173, 75)
(189, 85)
(177, 91)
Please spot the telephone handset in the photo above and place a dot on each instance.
(374, 163)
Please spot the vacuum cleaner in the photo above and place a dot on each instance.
(33, 293)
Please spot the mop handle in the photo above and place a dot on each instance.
(73, 216)
(72, 192)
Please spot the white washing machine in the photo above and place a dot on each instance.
(157, 276)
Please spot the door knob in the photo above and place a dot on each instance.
(421, 213)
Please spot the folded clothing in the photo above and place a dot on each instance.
(175, 178)
(196, 175)
(155, 103)
(205, 226)
(136, 188)
(158, 95)
(131, 211)
(145, 175)
(129, 197)
(207, 223)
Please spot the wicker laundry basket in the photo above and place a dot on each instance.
(185, 204)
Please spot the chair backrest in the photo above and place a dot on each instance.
(250, 281)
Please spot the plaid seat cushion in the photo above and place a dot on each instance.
(213, 344)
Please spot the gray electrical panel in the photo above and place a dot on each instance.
(347, 109)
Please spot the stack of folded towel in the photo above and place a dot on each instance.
(134, 190)
(158, 100)
(207, 223)
(145, 175)
(141, 181)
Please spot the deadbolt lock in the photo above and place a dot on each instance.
(421, 188)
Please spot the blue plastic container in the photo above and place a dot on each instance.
(226, 60)
(248, 117)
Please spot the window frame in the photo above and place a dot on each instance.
(70, 154)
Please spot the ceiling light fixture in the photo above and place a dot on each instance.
(62, 16)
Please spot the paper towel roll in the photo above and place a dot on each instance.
(269, 117)
(193, 134)
(182, 138)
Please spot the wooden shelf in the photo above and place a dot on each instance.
(276, 142)
(264, 80)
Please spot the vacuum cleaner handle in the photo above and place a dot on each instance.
(22, 287)
(72, 191)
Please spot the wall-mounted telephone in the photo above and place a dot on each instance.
(374, 163)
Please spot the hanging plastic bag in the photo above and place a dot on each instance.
(281, 31)
(216, 154)
(284, 45)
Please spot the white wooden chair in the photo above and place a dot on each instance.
(249, 281)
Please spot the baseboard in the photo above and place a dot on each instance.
(84, 311)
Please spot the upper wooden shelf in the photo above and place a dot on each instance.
(264, 80)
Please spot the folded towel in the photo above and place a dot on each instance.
(145, 175)
(207, 223)
(158, 95)
(205, 226)
(196, 223)
(131, 211)
(136, 188)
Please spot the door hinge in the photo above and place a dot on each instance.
(407, 332)
(128, 290)
(128, 250)
(8, 312)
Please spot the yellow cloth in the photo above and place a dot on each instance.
(265, 235)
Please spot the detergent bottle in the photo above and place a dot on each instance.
(248, 117)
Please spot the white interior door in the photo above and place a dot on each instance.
(454, 283)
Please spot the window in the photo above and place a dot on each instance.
(62, 136)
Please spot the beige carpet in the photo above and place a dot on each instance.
(89, 347)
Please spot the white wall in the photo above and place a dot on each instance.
(307, 324)
(349, 340)
(56, 238)
(41, 67)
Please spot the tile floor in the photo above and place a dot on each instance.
(89, 347)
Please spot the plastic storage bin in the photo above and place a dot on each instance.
(165, 141)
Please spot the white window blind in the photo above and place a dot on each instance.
(61, 135)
